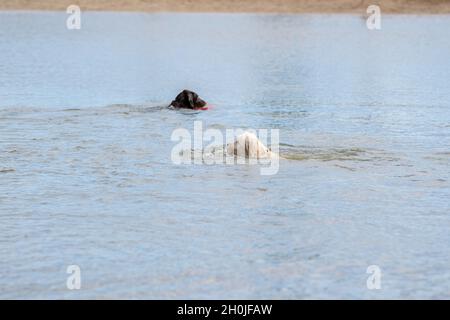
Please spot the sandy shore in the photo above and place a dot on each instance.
(282, 6)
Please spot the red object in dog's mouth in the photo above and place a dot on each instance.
(208, 106)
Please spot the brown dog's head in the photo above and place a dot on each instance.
(189, 100)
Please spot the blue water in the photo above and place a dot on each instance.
(86, 176)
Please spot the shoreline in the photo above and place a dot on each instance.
(417, 7)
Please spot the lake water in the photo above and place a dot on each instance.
(86, 176)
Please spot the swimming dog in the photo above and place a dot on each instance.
(247, 145)
(188, 100)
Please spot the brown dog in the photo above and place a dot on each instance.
(188, 100)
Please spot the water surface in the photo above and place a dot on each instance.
(86, 176)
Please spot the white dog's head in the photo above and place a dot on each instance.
(247, 145)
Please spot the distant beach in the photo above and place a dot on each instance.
(269, 6)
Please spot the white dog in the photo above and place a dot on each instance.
(247, 145)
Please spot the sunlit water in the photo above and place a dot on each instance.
(86, 176)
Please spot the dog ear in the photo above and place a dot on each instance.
(180, 97)
(191, 99)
